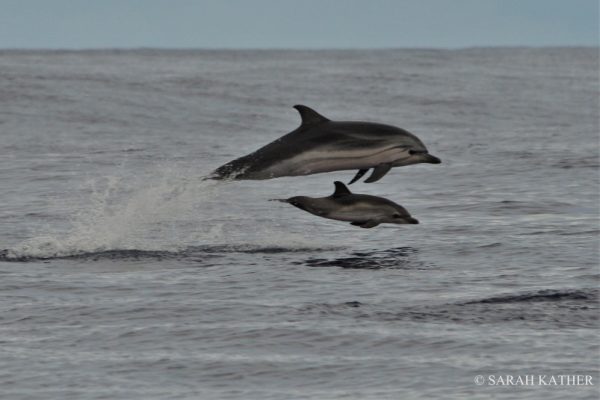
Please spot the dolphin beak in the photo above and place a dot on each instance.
(428, 158)
(411, 220)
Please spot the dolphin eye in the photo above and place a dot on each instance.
(397, 216)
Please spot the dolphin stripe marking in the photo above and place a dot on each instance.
(340, 160)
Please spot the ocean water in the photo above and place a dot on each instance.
(125, 275)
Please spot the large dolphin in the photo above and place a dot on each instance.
(360, 209)
(320, 145)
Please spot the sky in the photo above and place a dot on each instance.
(76, 24)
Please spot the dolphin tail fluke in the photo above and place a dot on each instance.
(216, 176)
(378, 173)
(213, 176)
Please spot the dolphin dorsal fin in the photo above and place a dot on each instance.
(309, 116)
(340, 189)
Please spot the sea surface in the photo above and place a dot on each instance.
(125, 275)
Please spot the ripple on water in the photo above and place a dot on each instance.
(565, 308)
(394, 258)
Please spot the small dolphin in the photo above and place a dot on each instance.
(320, 145)
(360, 209)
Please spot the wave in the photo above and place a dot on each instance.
(563, 308)
(394, 258)
(507, 207)
(8, 255)
(540, 296)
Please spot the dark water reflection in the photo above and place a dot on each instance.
(396, 258)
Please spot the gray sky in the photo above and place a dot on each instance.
(297, 23)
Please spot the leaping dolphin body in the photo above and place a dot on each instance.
(321, 145)
(360, 209)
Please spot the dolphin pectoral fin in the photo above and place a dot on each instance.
(358, 175)
(368, 224)
(378, 173)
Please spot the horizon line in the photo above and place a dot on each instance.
(384, 48)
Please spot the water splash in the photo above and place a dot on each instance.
(165, 211)
(122, 213)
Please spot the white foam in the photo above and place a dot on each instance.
(165, 211)
(116, 215)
